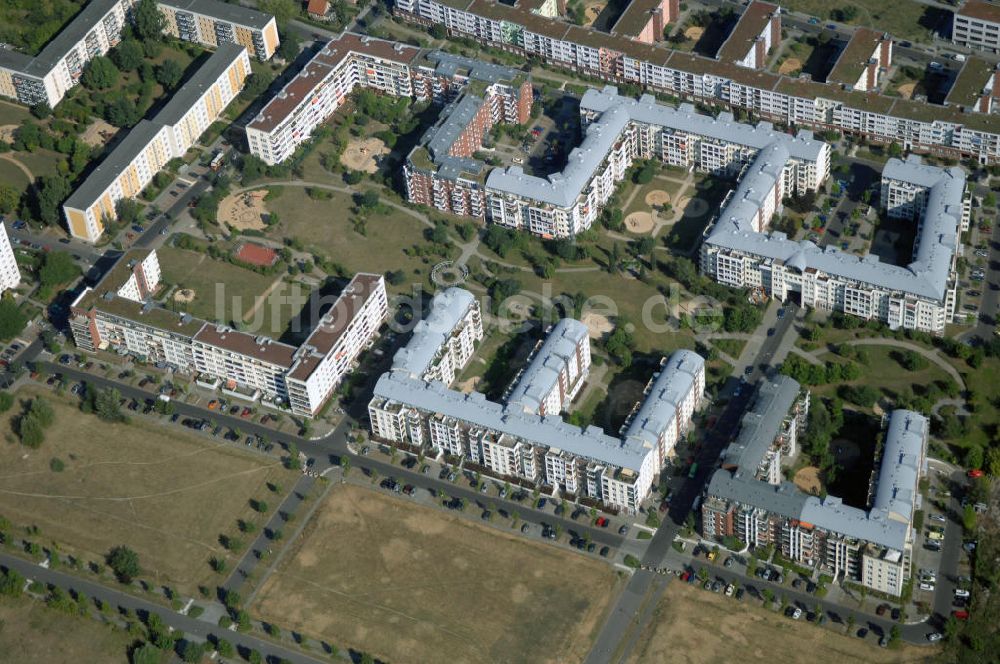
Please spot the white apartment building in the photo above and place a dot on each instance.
(152, 143)
(915, 125)
(10, 275)
(120, 314)
(977, 25)
(619, 130)
(756, 32)
(556, 372)
(306, 101)
(413, 407)
(865, 59)
(443, 342)
(48, 76)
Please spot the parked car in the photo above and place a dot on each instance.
(602, 522)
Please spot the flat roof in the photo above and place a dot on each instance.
(983, 11)
(193, 89)
(670, 388)
(74, 32)
(853, 60)
(253, 346)
(542, 373)
(751, 23)
(448, 309)
(974, 78)
(635, 17)
(223, 11)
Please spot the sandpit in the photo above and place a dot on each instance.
(808, 480)
(469, 386)
(7, 132)
(597, 325)
(98, 132)
(639, 222)
(184, 295)
(906, 90)
(683, 202)
(657, 197)
(694, 33)
(790, 65)
(360, 155)
(244, 211)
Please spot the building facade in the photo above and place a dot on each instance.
(863, 62)
(912, 124)
(119, 314)
(525, 439)
(757, 31)
(977, 25)
(747, 499)
(48, 76)
(148, 147)
(10, 275)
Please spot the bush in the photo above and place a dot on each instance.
(632, 561)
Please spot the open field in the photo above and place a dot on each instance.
(40, 162)
(222, 291)
(903, 20)
(164, 493)
(692, 626)
(410, 583)
(12, 114)
(12, 176)
(31, 632)
(884, 373)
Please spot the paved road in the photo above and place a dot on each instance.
(189, 626)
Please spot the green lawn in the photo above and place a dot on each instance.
(12, 176)
(11, 113)
(41, 162)
(731, 347)
(901, 19)
(224, 292)
(884, 373)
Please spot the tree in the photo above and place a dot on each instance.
(31, 431)
(10, 198)
(369, 199)
(148, 21)
(124, 562)
(258, 83)
(99, 74)
(147, 653)
(41, 110)
(52, 191)
(128, 55)
(290, 46)
(6, 398)
(283, 11)
(969, 518)
(58, 269)
(895, 150)
(128, 210)
(974, 456)
(169, 74)
(42, 410)
(224, 648)
(12, 319)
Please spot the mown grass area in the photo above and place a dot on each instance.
(906, 19)
(883, 371)
(12, 114)
(41, 162)
(731, 347)
(12, 176)
(31, 632)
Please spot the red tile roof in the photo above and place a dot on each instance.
(318, 7)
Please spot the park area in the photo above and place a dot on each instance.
(906, 19)
(415, 584)
(692, 626)
(30, 632)
(94, 485)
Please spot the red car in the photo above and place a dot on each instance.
(602, 522)
(245, 413)
(960, 615)
(685, 576)
(975, 472)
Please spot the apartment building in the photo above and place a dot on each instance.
(322, 86)
(522, 439)
(10, 275)
(211, 23)
(757, 31)
(747, 498)
(120, 314)
(443, 342)
(867, 56)
(977, 25)
(557, 370)
(617, 131)
(739, 252)
(977, 86)
(48, 76)
(914, 125)
(147, 148)
(645, 20)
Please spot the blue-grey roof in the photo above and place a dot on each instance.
(760, 425)
(616, 113)
(874, 526)
(74, 32)
(550, 431)
(191, 90)
(450, 65)
(926, 276)
(454, 119)
(448, 308)
(671, 387)
(542, 373)
(902, 457)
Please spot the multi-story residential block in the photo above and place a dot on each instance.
(152, 143)
(913, 124)
(443, 342)
(757, 31)
(322, 86)
(556, 372)
(977, 25)
(526, 439)
(747, 499)
(10, 275)
(119, 314)
(645, 20)
(97, 29)
(211, 23)
(617, 131)
(977, 86)
(739, 252)
(867, 56)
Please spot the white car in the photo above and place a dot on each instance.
(961, 593)
(939, 517)
(934, 636)
(797, 613)
(926, 586)
(730, 589)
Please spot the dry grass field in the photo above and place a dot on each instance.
(413, 584)
(692, 626)
(164, 493)
(32, 633)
